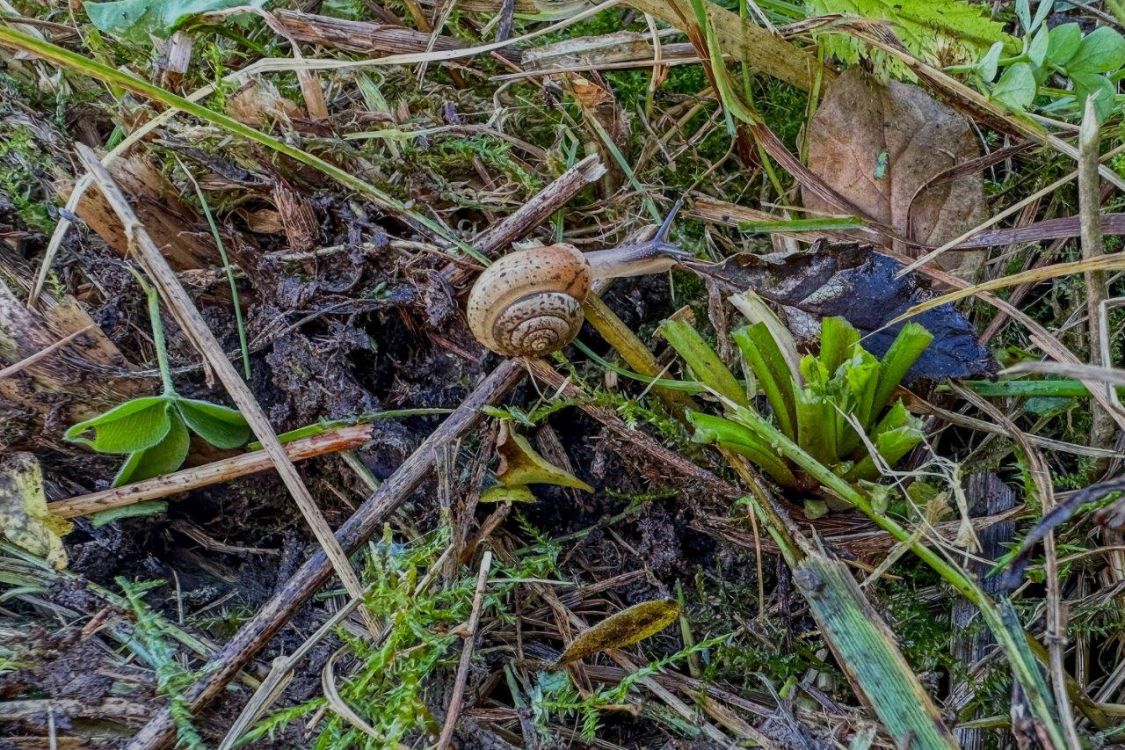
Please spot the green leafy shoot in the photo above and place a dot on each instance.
(839, 389)
(1090, 62)
(703, 360)
(154, 431)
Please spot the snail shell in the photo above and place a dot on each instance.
(529, 303)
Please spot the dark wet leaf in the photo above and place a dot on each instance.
(860, 285)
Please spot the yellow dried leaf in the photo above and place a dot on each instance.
(623, 629)
(520, 464)
(24, 519)
(503, 494)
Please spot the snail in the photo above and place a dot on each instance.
(529, 303)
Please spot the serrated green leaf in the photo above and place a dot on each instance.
(126, 428)
(1037, 49)
(136, 19)
(162, 458)
(1063, 43)
(940, 32)
(900, 356)
(1016, 88)
(1101, 51)
(219, 425)
(625, 628)
(838, 339)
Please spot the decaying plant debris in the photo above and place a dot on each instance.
(848, 475)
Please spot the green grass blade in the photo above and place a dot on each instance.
(13, 39)
(766, 360)
(838, 339)
(703, 360)
(911, 341)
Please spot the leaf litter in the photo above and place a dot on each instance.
(351, 238)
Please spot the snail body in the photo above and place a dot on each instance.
(529, 303)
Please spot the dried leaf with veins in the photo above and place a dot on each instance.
(625, 628)
(882, 146)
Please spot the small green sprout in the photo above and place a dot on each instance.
(153, 431)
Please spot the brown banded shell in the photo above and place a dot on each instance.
(529, 303)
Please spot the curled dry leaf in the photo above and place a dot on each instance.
(883, 147)
(521, 465)
(24, 518)
(623, 629)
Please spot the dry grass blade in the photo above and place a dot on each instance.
(26, 362)
(454, 708)
(1097, 286)
(177, 299)
(1113, 262)
(337, 704)
(225, 470)
(760, 48)
(866, 649)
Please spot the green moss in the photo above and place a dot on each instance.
(25, 174)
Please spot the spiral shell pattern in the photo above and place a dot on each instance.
(529, 303)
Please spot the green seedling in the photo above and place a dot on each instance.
(154, 431)
(1090, 62)
(837, 409)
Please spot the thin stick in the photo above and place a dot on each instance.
(216, 472)
(1102, 424)
(454, 709)
(178, 300)
(11, 370)
(223, 666)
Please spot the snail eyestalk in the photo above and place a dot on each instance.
(640, 258)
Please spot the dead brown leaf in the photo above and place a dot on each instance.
(882, 146)
(623, 629)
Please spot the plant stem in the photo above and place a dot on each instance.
(243, 344)
(158, 341)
